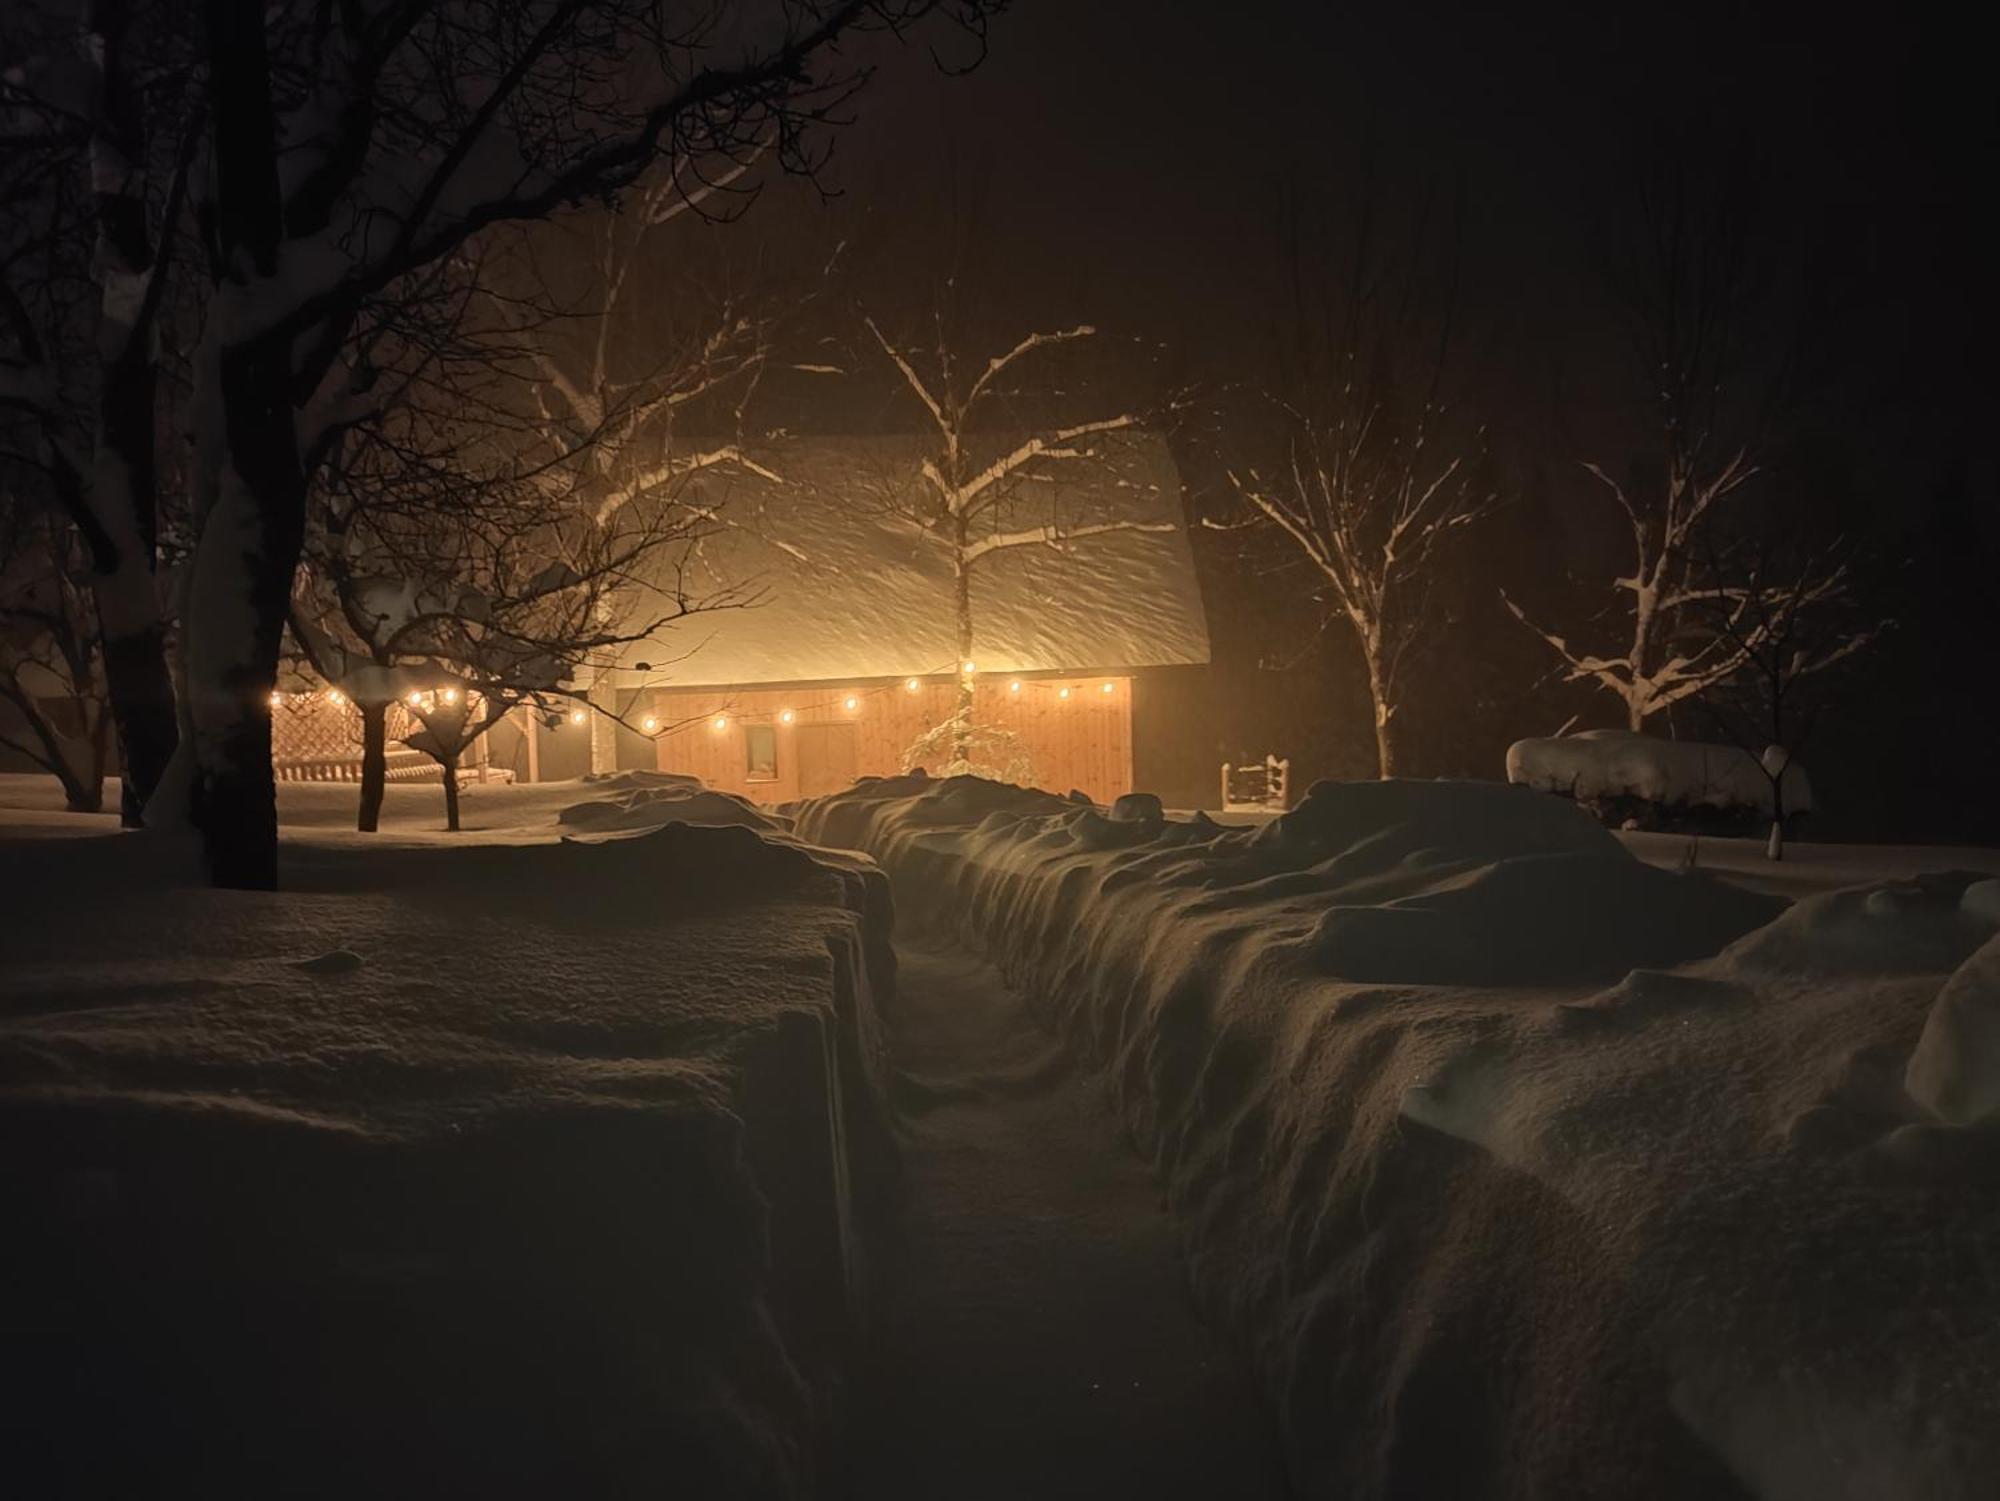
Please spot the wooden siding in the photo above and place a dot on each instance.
(1083, 741)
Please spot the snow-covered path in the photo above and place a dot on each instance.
(1036, 1340)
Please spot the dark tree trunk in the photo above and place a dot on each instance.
(125, 478)
(450, 764)
(255, 526)
(374, 765)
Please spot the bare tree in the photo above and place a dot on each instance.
(1792, 616)
(461, 555)
(97, 113)
(1375, 474)
(993, 479)
(51, 654)
(1690, 275)
(335, 150)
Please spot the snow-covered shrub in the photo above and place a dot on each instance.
(1621, 776)
(961, 746)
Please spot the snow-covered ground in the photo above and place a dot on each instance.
(1523, 1167)
(466, 1165)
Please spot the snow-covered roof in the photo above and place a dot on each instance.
(847, 586)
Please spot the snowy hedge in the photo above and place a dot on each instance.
(1522, 1169)
(542, 1175)
(1615, 769)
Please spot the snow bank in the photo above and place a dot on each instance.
(1520, 1169)
(1613, 769)
(498, 1170)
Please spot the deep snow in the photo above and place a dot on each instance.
(1524, 1169)
(511, 1167)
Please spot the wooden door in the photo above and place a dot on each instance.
(825, 755)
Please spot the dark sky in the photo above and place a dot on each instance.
(1121, 162)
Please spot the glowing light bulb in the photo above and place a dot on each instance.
(722, 721)
(786, 717)
(649, 723)
(414, 699)
(968, 668)
(852, 704)
(276, 699)
(1107, 687)
(911, 685)
(451, 695)
(1015, 686)
(576, 716)
(336, 697)
(1062, 693)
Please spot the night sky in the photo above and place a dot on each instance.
(1124, 162)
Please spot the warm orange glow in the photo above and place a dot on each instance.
(786, 717)
(1062, 693)
(451, 695)
(852, 704)
(911, 685)
(968, 668)
(336, 697)
(1107, 687)
(415, 699)
(1014, 687)
(576, 716)
(649, 723)
(276, 699)
(722, 721)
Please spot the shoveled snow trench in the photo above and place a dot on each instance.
(1036, 1338)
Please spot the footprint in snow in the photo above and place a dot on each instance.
(333, 962)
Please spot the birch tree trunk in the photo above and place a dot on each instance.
(1378, 698)
(961, 733)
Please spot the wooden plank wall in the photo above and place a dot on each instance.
(1082, 740)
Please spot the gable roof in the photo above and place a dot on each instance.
(845, 587)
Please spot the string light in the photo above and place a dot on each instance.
(786, 717)
(451, 695)
(276, 699)
(1062, 692)
(722, 721)
(1107, 687)
(968, 668)
(911, 684)
(576, 716)
(1015, 686)
(336, 697)
(852, 704)
(414, 699)
(649, 723)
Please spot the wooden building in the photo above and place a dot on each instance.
(842, 653)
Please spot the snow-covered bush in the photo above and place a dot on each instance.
(1621, 775)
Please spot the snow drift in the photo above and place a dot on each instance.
(474, 1171)
(1622, 773)
(1521, 1169)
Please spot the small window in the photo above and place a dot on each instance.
(760, 753)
